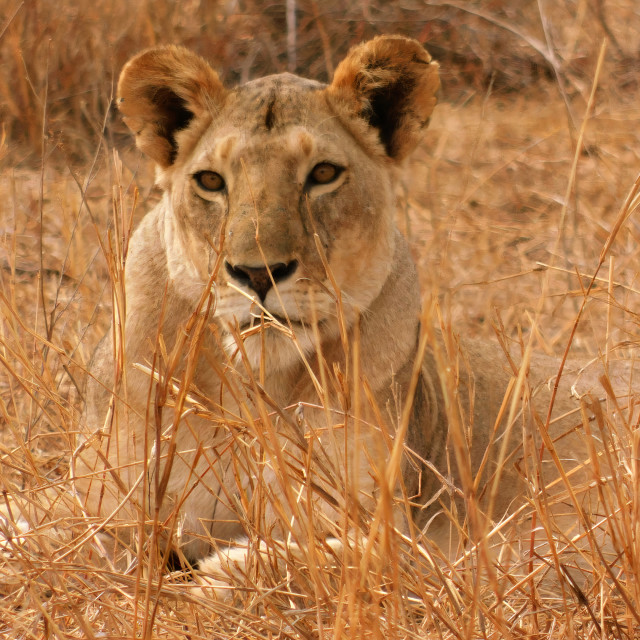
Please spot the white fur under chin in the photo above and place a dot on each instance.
(279, 351)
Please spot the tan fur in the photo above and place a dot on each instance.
(346, 258)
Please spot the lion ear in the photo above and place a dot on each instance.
(391, 82)
(160, 92)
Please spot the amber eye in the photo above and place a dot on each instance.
(324, 173)
(209, 180)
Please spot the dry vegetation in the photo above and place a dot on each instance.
(516, 211)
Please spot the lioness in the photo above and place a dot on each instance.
(272, 281)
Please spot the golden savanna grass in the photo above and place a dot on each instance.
(521, 212)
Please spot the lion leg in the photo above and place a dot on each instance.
(222, 573)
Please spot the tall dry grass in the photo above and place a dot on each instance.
(518, 196)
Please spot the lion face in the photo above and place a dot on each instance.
(282, 187)
(302, 210)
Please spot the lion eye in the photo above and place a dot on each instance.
(324, 173)
(209, 180)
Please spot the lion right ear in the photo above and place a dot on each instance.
(160, 92)
(391, 83)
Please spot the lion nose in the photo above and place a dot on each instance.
(258, 279)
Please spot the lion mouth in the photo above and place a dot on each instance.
(273, 320)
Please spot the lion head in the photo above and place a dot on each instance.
(284, 185)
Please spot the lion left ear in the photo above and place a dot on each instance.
(161, 91)
(391, 82)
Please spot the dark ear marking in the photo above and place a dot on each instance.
(385, 110)
(176, 116)
(270, 117)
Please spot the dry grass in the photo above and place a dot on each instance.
(507, 237)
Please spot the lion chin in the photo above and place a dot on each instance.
(272, 346)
